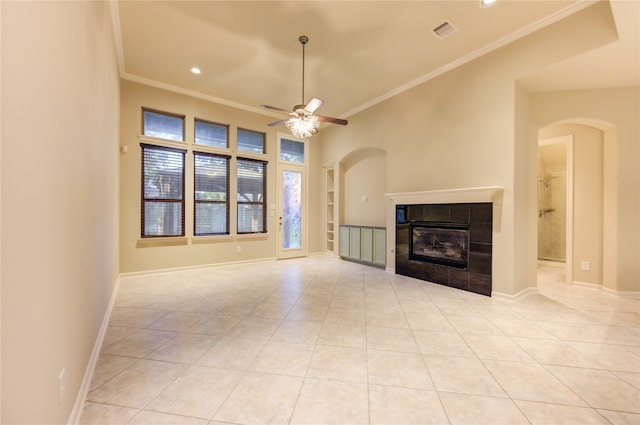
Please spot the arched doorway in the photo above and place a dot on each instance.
(554, 205)
(590, 196)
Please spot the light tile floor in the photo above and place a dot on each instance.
(322, 341)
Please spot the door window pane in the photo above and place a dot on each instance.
(291, 209)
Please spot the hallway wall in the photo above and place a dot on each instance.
(60, 100)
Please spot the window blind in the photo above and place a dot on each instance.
(162, 212)
(251, 196)
(211, 194)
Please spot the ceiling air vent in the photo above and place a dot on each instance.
(444, 29)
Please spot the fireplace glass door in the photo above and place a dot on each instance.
(446, 244)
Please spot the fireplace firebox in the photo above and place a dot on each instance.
(446, 244)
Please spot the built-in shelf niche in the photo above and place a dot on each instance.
(330, 206)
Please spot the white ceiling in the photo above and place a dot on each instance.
(359, 52)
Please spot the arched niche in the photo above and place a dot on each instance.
(363, 182)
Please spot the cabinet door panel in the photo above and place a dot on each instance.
(380, 247)
(366, 249)
(344, 241)
(354, 243)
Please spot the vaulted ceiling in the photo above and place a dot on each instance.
(359, 52)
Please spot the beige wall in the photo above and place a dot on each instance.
(615, 112)
(471, 127)
(316, 199)
(142, 255)
(59, 200)
(447, 136)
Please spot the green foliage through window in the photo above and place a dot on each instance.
(162, 191)
(211, 194)
(251, 196)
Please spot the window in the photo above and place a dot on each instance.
(211, 134)
(162, 191)
(291, 150)
(166, 173)
(252, 202)
(211, 194)
(162, 125)
(250, 141)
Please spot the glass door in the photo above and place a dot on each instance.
(292, 195)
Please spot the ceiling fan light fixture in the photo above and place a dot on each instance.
(303, 125)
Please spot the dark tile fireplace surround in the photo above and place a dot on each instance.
(474, 276)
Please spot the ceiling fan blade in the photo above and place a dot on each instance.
(275, 108)
(339, 121)
(313, 104)
(278, 122)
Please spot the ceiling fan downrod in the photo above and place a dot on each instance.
(303, 40)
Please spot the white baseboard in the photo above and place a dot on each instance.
(621, 294)
(515, 297)
(608, 291)
(586, 285)
(199, 266)
(93, 360)
(323, 254)
(549, 263)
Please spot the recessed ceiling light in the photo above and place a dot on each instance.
(195, 70)
(487, 3)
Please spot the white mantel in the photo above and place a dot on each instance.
(447, 196)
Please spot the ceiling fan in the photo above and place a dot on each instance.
(303, 123)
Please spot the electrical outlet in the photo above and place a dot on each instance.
(61, 386)
(584, 266)
(238, 248)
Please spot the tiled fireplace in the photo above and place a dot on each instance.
(443, 241)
